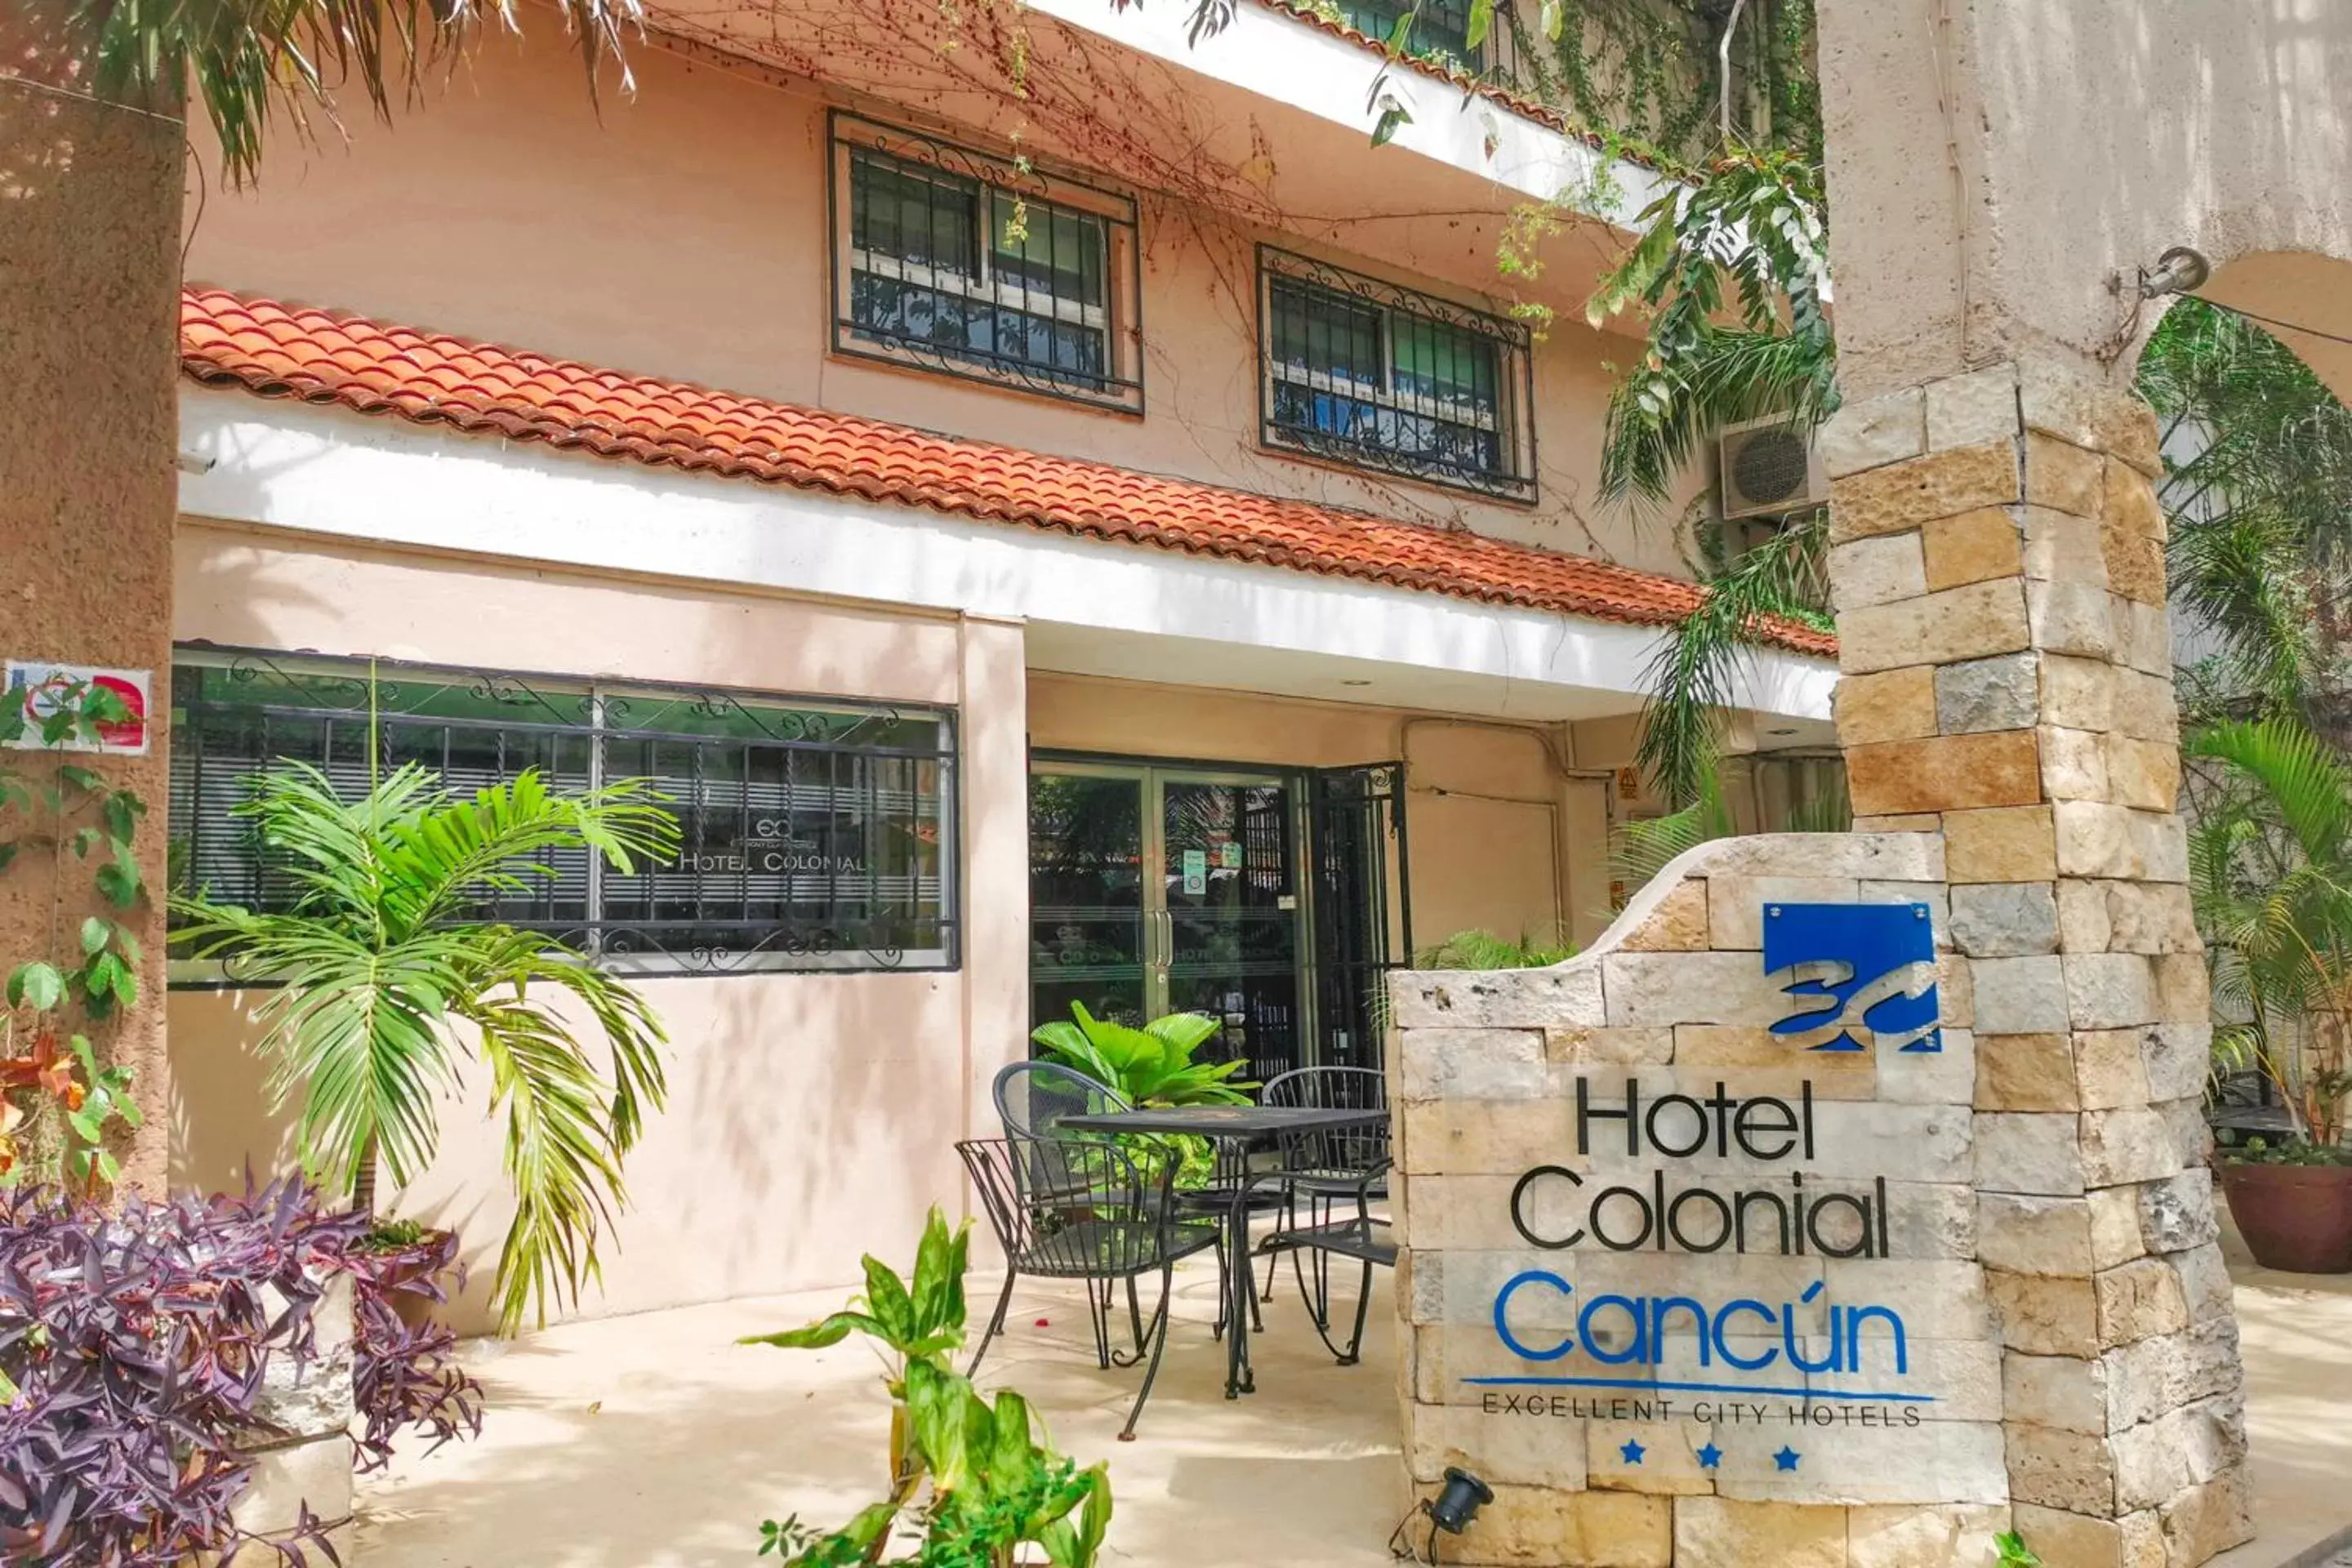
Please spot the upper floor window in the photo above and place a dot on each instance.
(1377, 376)
(959, 262)
(814, 834)
(1440, 27)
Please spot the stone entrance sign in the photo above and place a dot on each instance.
(1847, 1204)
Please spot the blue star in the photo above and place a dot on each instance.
(1786, 1458)
(1709, 1457)
(1630, 1452)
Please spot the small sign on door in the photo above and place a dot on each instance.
(1196, 871)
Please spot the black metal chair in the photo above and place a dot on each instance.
(1072, 1208)
(1032, 1097)
(1328, 1172)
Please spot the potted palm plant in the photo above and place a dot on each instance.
(388, 966)
(2271, 871)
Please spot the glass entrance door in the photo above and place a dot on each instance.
(1160, 890)
(1229, 859)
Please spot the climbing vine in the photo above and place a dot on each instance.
(60, 1098)
(1649, 70)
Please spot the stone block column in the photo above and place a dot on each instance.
(1997, 562)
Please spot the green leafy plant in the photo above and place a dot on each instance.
(59, 1101)
(1754, 222)
(2258, 460)
(1149, 1065)
(2288, 1150)
(2270, 871)
(2014, 1553)
(977, 1477)
(1690, 681)
(384, 970)
(1485, 950)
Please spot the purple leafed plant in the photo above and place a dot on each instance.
(133, 1347)
(407, 1374)
(137, 1343)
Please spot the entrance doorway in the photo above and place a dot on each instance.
(1262, 898)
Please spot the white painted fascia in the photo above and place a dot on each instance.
(331, 473)
(1292, 61)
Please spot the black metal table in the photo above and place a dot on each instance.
(1235, 1127)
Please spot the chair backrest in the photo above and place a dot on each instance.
(1329, 1088)
(1032, 1097)
(1335, 1088)
(1072, 1207)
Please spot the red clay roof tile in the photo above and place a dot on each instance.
(282, 350)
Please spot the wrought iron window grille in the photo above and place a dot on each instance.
(1440, 38)
(952, 261)
(1372, 375)
(817, 834)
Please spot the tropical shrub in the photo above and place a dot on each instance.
(995, 1483)
(385, 969)
(1149, 1065)
(2270, 869)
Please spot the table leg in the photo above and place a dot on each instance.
(1239, 1379)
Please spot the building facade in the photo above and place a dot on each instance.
(1063, 516)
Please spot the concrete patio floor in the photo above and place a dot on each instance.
(657, 1442)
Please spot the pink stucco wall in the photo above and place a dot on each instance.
(810, 1115)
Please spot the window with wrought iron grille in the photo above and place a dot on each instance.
(1440, 27)
(815, 834)
(1364, 373)
(955, 262)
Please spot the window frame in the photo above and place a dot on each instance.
(1119, 317)
(600, 701)
(1512, 422)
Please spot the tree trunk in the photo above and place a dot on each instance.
(363, 1181)
(89, 275)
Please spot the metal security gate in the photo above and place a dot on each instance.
(1363, 911)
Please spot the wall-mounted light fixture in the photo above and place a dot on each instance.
(2180, 271)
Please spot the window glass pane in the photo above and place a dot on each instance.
(1034, 310)
(1441, 28)
(812, 835)
(913, 215)
(1368, 378)
(1446, 365)
(1050, 250)
(1324, 334)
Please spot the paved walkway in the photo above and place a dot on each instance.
(2297, 1332)
(657, 1442)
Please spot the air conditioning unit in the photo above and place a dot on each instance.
(1769, 468)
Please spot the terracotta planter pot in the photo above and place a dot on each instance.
(2295, 1219)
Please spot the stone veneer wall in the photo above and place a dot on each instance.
(2007, 720)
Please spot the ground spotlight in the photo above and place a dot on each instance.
(1459, 1503)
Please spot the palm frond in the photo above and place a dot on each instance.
(248, 60)
(1691, 678)
(1641, 847)
(381, 980)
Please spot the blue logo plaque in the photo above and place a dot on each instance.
(1869, 972)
